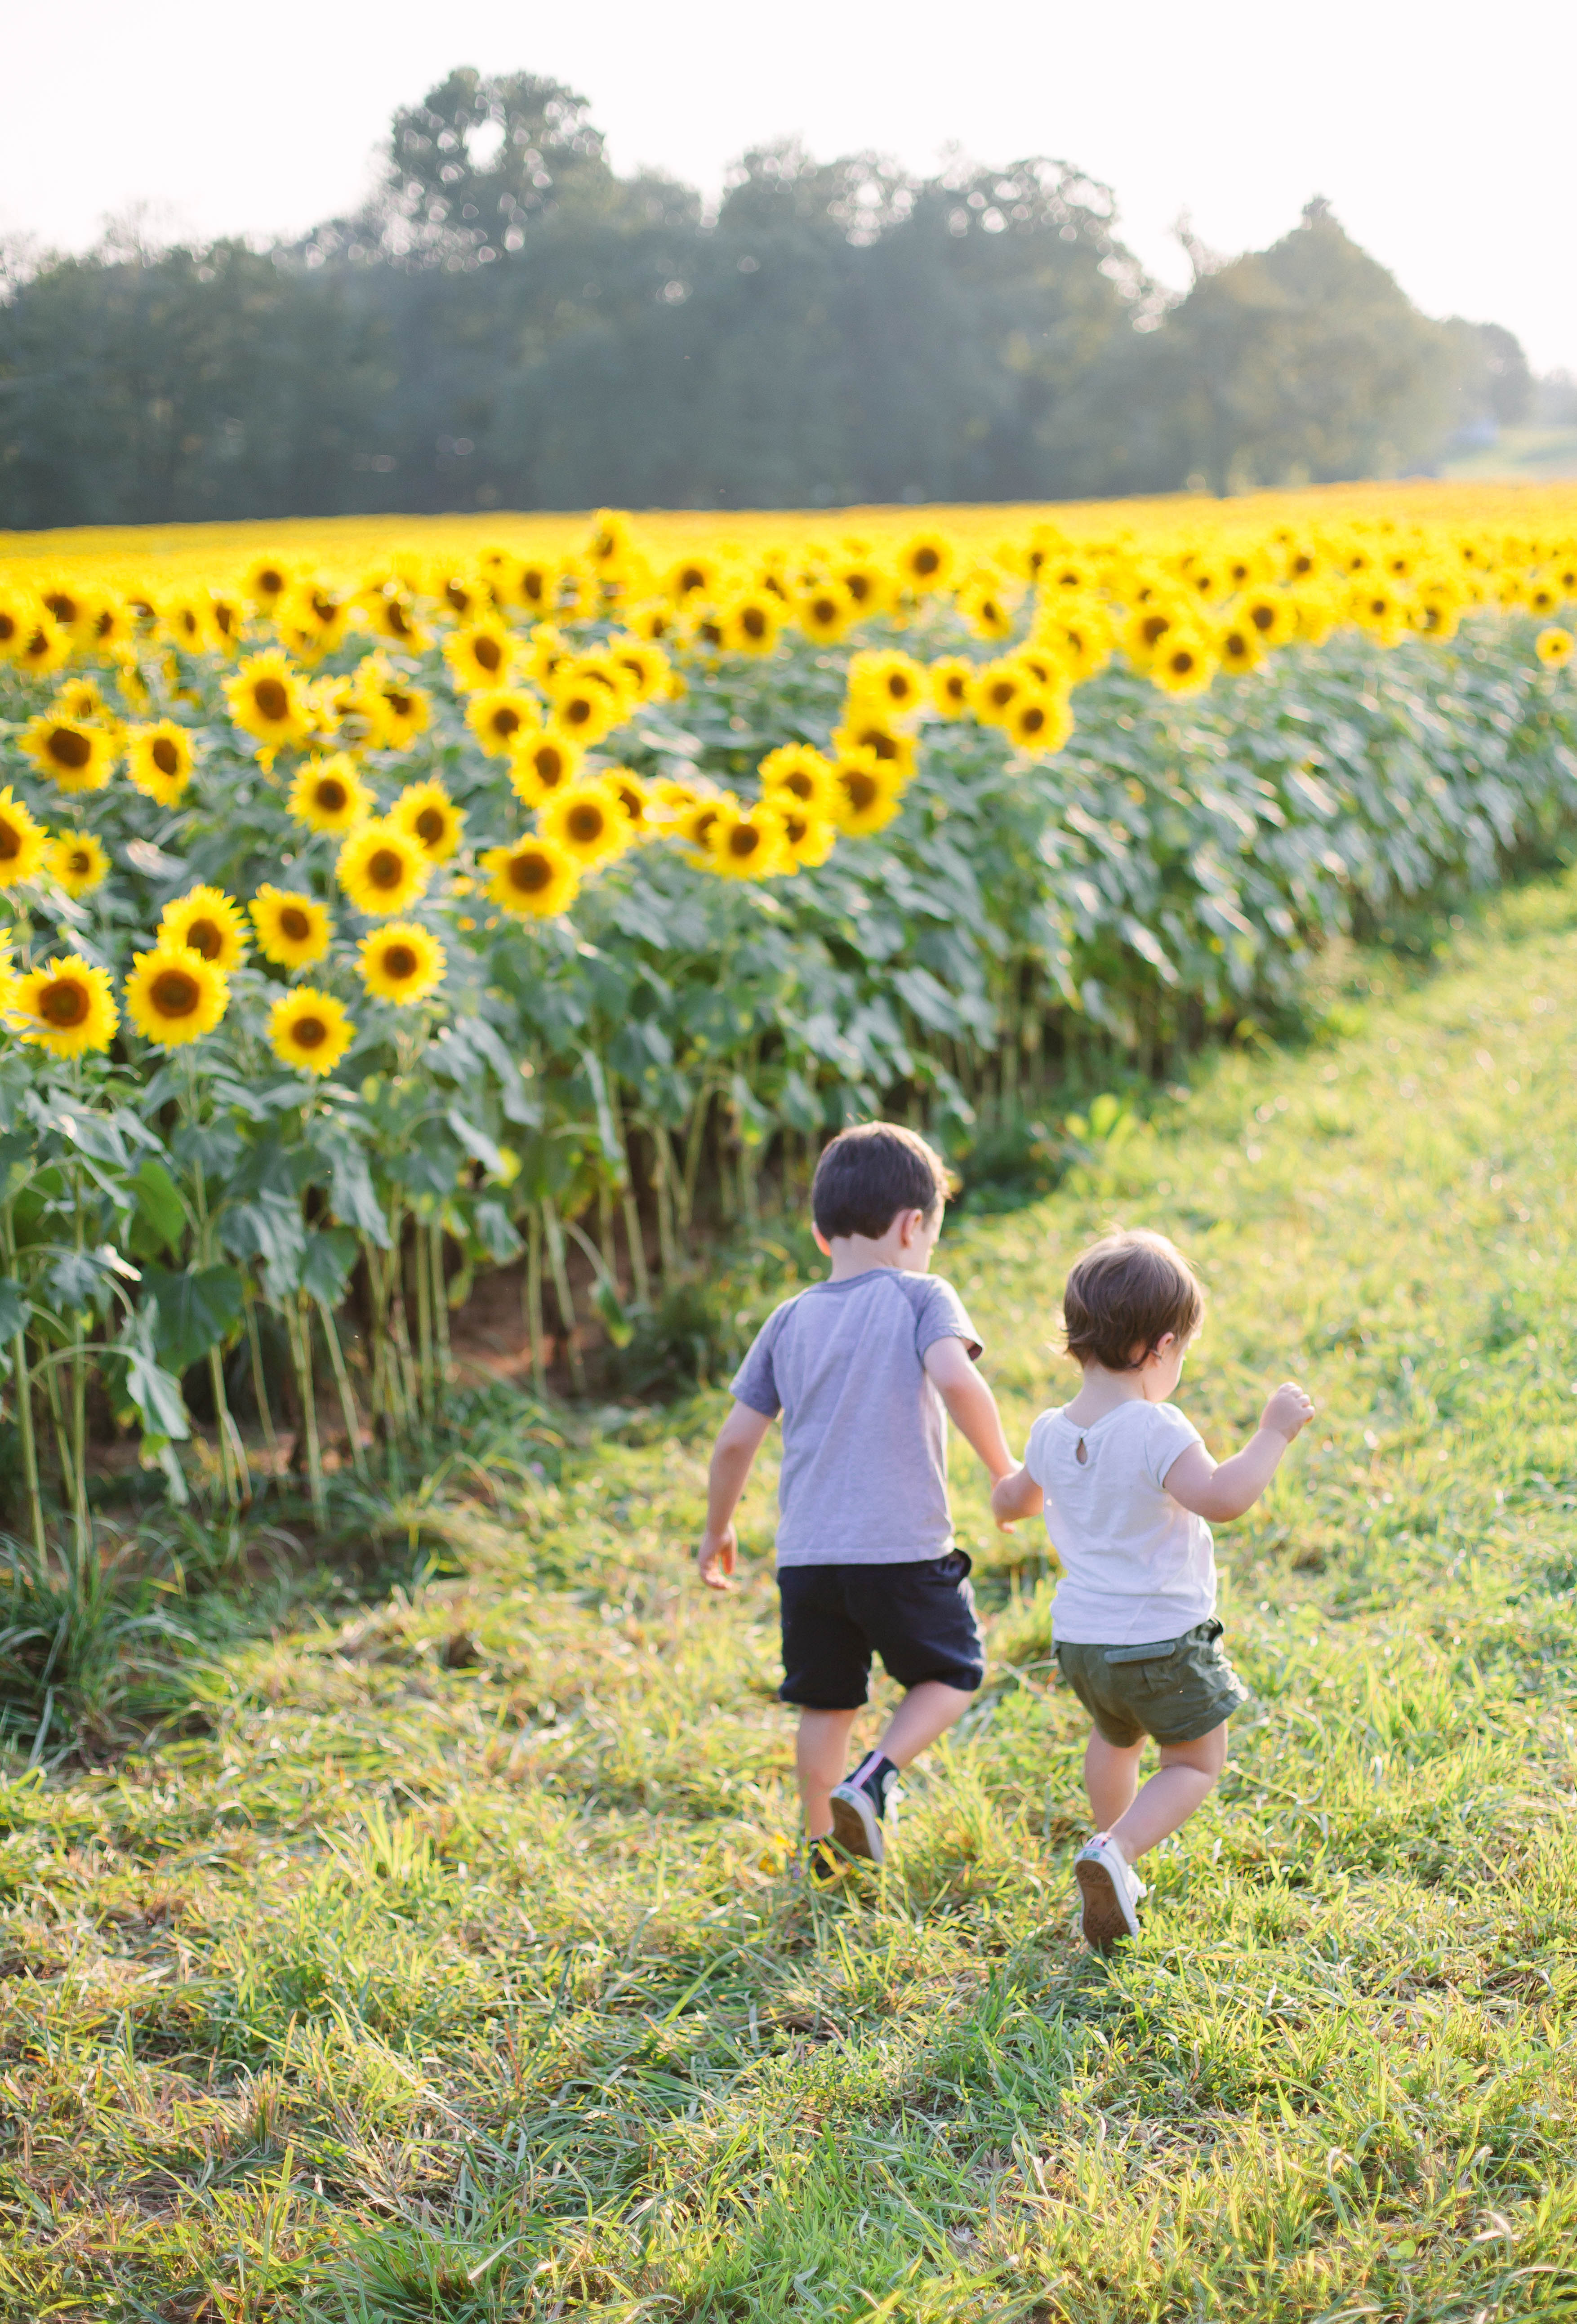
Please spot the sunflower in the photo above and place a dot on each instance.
(480, 656)
(503, 717)
(173, 995)
(869, 793)
(207, 921)
(1554, 647)
(383, 868)
(309, 1029)
(392, 615)
(67, 1008)
(636, 799)
(693, 824)
(1240, 646)
(1079, 634)
(951, 679)
(396, 711)
(403, 962)
(648, 671)
(984, 607)
(751, 624)
(329, 795)
(24, 842)
(1148, 627)
(292, 929)
(229, 618)
(925, 562)
(78, 863)
(77, 756)
(809, 838)
(651, 621)
(588, 820)
(796, 771)
(748, 842)
(891, 683)
(1271, 614)
(465, 595)
(826, 610)
(80, 699)
(18, 614)
(268, 698)
(870, 585)
(543, 766)
(692, 576)
(865, 733)
(1185, 662)
(187, 621)
(536, 584)
(584, 708)
(160, 760)
(997, 686)
(267, 579)
(535, 878)
(426, 814)
(550, 654)
(1379, 608)
(44, 644)
(1040, 722)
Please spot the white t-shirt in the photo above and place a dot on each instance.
(1136, 1566)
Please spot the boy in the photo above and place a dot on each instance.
(1128, 1488)
(864, 1369)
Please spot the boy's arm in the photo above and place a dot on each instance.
(1218, 1493)
(970, 1401)
(738, 1442)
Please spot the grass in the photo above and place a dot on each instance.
(450, 1971)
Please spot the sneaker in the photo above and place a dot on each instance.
(1112, 1889)
(820, 1864)
(859, 1803)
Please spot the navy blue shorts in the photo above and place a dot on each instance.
(920, 1617)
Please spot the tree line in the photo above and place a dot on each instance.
(507, 322)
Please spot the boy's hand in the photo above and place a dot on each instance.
(1288, 1410)
(715, 1558)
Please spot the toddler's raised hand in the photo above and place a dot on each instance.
(1288, 1411)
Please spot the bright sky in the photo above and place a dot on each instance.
(1442, 135)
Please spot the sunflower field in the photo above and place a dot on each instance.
(384, 911)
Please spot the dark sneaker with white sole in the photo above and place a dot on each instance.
(1112, 1889)
(860, 1803)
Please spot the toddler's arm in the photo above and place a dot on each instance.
(969, 1401)
(1217, 1492)
(1014, 1496)
(738, 1442)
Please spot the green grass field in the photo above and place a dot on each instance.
(450, 1970)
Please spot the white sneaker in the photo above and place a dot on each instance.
(1112, 1889)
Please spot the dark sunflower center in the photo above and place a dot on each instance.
(208, 937)
(925, 562)
(271, 698)
(505, 720)
(310, 1032)
(1262, 616)
(858, 586)
(164, 755)
(587, 824)
(1033, 719)
(37, 646)
(401, 626)
(64, 1002)
(62, 606)
(294, 925)
(324, 606)
(898, 687)
(431, 825)
(488, 653)
(9, 841)
(399, 960)
(692, 578)
(550, 765)
(79, 863)
(530, 873)
(743, 840)
(332, 796)
(875, 739)
(386, 867)
(533, 585)
(270, 581)
(753, 621)
(577, 710)
(861, 788)
(1153, 628)
(68, 749)
(458, 596)
(801, 784)
(8, 626)
(1182, 662)
(175, 993)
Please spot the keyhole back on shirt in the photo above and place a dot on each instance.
(1081, 1455)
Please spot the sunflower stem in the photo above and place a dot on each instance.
(424, 1322)
(300, 1326)
(535, 1328)
(633, 1234)
(560, 1272)
(22, 1379)
(259, 1383)
(667, 1255)
(347, 1403)
(440, 1308)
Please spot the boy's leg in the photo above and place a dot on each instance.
(821, 1752)
(1111, 1777)
(926, 1711)
(1187, 1774)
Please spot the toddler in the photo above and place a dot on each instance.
(1129, 1493)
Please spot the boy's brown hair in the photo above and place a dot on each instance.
(1126, 1292)
(868, 1174)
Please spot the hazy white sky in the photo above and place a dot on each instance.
(1443, 134)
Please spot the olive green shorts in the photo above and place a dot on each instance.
(1173, 1689)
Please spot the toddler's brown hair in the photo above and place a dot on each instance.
(1127, 1291)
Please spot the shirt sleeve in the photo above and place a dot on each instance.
(1169, 1433)
(1035, 1451)
(941, 1316)
(756, 1381)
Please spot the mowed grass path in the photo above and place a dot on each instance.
(454, 1973)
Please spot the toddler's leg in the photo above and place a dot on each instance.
(1111, 1777)
(821, 1751)
(1187, 1774)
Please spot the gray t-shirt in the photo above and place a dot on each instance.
(864, 1473)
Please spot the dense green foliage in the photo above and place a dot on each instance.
(442, 1966)
(510, 324)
